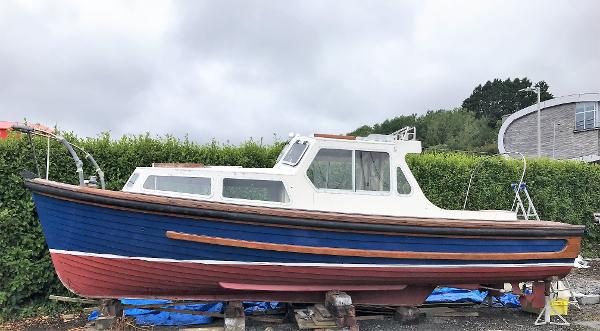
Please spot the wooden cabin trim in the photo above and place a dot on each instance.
(177, 165)
(334, 136)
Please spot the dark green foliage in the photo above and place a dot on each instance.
(562, 190)
(565, 191)
(498, 98)
(474, 127)
(442, 130)
(26, 273)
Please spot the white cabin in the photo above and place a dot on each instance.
(325, 173)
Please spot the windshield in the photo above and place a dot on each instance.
(294, 153)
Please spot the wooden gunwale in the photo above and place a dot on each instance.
(570, 250)
(315, 215)
(387, 233)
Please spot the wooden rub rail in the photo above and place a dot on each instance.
(570, 250)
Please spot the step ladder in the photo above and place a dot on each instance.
(518, 206)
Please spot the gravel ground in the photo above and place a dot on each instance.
(586, 281)
(581, 280)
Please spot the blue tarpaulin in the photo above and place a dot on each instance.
(154, 317)
(450, 294)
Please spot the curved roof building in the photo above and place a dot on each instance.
(570, 129)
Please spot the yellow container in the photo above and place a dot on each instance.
(561, 306)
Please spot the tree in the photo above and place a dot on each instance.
(455, 129)
(498, 98)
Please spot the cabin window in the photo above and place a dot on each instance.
(191, 185)
(255, 189)
(402, 184)
(585, 115)
(372, 171)
(331, 169)
(132, 180)
(295, 153)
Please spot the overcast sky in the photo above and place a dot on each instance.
(237, 69)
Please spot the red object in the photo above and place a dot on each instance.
(7, 126)
(4, 127)
(103, 277)
(535, 299)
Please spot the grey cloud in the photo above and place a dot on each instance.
(235, 69)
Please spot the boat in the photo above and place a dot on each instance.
(335, 213)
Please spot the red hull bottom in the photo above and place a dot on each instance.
(100, 277)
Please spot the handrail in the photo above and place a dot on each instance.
(480, 163)
(69, 146)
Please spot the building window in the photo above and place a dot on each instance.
(372, 171)
(585, 115)
(190, 185)
(255, 189)
(331, 169)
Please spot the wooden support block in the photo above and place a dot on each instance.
(407, 314)
(310, 318)
(339, 304)
(111, 307)
(235, 319)
(104, 322)
(70, 299)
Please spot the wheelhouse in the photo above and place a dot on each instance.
(365, 175)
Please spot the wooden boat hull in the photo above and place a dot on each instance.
(114, 244)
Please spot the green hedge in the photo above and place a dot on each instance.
(565, 191)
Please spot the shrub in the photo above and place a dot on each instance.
(566, 191)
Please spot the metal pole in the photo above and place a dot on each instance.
(539, 125)
(47, 157)
(553, 138)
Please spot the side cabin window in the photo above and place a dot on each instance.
(372, 171)
(402, 185)
(181, 184)
(331, 169)
(255, 189)
(341, 169)
(295, 153)
(132, 180)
